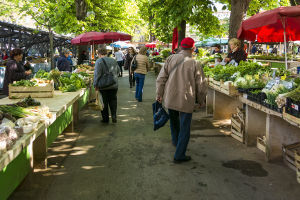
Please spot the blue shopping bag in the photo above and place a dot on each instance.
(160, 116)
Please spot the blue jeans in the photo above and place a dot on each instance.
(180, 124)
(140, 79)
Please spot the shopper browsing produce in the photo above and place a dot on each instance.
(128, 59)
(106, 81)
(14, 69)
(62, 63)
(237, 53)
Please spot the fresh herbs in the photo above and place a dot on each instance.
(25, 83)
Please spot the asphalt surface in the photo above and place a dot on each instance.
(129, 161)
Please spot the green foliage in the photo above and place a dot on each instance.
(166, 53)
(164, 15)
(295, 94)
(71, 82)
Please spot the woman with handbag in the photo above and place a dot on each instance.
(142, 67)
(106, 81)
(128, 59)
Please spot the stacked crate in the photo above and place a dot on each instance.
(291, 157)
(238, 125)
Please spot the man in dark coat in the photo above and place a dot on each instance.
(62, 63)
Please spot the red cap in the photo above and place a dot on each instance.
(187, 43)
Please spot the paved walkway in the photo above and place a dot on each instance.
(129, 161)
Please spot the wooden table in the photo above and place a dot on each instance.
(260, 121)
(31, 149)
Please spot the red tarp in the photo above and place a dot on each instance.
(175, 39)
(151, 45)
(99, 38)
(268, 26)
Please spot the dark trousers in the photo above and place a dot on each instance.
(120, 63)
(109, 100)
(180, 124)
(131, 80)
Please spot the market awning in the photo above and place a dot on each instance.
(268, 26)
(99, 38)
(211, 42)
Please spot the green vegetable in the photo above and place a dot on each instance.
(42, 74)
(15, 111)
(25, 83)
(295, 94)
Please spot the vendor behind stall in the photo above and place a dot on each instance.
(217, 49)
(237, 53)
(14, 69)
(62, 63)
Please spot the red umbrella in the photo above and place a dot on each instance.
(78, 39)
(175, 39)
(151, 45)
(100, 38)
(277, 25)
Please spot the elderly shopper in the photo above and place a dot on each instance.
(237, 53)
(140, 73)
(62, 63)
(179, 84)
(103, 66)
(128, 59)
(14, 70)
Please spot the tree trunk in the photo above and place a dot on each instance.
(81, 9)
(51, 49)
(181, 32)
(238, 12)
(295, 2)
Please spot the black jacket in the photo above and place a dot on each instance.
(14, 72)
(238, 55)
(63, 64)
(128, 59)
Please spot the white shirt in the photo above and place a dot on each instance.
(119, 56)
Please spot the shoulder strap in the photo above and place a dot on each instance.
(107, 69)
(173, 69)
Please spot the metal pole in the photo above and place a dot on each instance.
(284, 35)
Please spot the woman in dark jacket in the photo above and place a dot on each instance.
(14, 69)
(128, 59)
(237, 53)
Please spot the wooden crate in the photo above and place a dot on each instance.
(19, 92)
(237, 128)
(290, 118)
(261, 144)
(297, 163)
(290, 153)
(228, 89)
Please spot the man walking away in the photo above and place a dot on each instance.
(179, 84)
(104, 65)
(120, 57)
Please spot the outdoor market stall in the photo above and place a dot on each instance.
(30, 148)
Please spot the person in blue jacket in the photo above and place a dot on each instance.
(62, 63)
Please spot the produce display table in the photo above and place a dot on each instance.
(259, 122)
(277, 63)
(30, 149)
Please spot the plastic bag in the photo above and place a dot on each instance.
(99, 100)
(160, 116)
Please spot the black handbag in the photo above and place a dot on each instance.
(107, 79)
(133, 64)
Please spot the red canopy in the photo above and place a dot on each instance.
(175, 39)
(99, 38)
(268, 26)
(151, 45)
